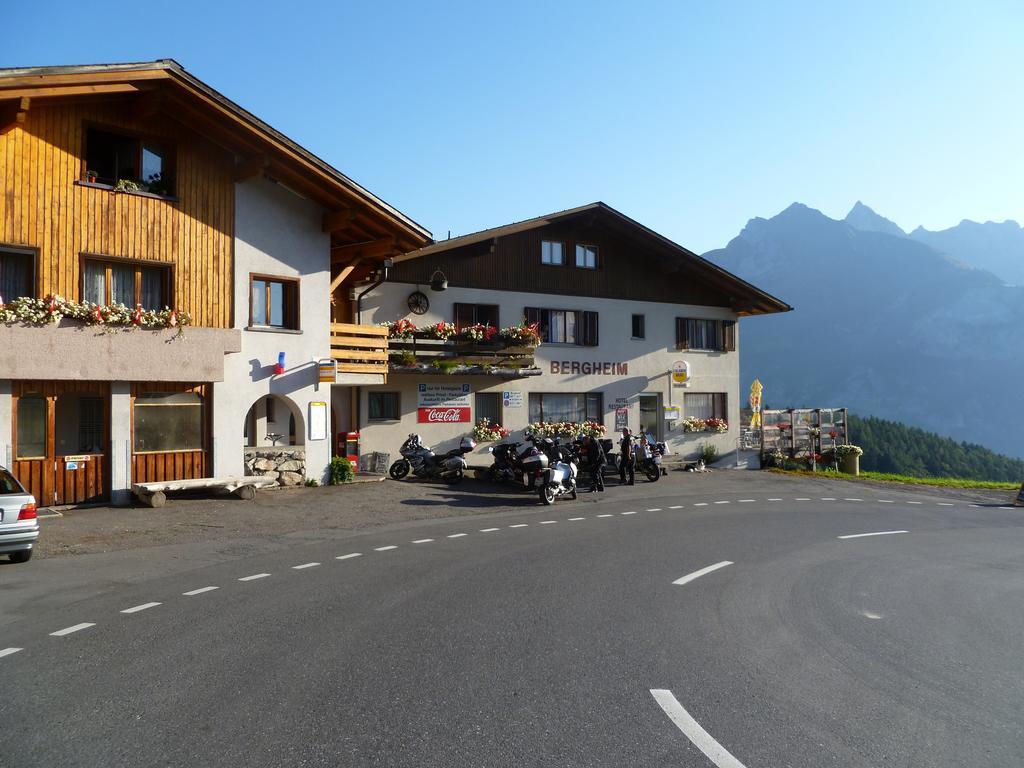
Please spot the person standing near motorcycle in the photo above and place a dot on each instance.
(627, 458)
(594, 460)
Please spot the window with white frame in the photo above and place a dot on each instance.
(552, 252)
(586, 256)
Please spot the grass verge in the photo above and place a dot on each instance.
(942, 482)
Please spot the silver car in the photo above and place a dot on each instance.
(19, 523)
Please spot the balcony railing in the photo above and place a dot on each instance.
(360, 348)
(499, 357)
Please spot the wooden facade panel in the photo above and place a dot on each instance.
(174, 465)
(42, 206)
(627, 269)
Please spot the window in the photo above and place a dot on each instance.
(115, 157)
(586, 256)
(566, 407)
(701, 405)
(90, 425)
(168, 421)
(126, 282)
(31, 427)
(565, 326)
(8, 483)
(274, 302)
(638, 327)
(716, 335)
(382, 406)
(552, 252)
(476, 314)
(17, 274)
(488, 406)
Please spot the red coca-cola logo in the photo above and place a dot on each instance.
(443, 415)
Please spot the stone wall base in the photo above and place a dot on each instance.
(287, 465)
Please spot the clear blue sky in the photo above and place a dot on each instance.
(689, 116)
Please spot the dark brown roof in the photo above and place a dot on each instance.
(750, 299)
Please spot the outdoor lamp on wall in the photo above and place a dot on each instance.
(438, 282)
(279, 368)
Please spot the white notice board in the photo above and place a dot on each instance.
(318, 421)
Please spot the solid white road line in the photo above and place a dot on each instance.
(422, 541)
(702, 572)
(654, 509)
(385, 549)
(199, 591)
(254, 577)
(489, 530)
(701, 739)
(862, 535)
(9, 651)
(456, 535)
(69, 630)
(349, 555)
(574, 519)
(520, 525)
(677, 506)
(304, 565)
(138, 608)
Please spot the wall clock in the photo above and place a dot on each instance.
(418, 302)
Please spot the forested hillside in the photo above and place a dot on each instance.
(893, 447)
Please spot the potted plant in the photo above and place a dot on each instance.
(849, 458)
(91, 176)
(126, 185)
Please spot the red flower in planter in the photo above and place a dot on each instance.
(137, 315)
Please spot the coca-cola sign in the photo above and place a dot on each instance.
(443, 415)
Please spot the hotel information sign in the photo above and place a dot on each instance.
(442, 403)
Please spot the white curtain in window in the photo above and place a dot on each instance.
(122, 285)
(698, 405)
(94, 284)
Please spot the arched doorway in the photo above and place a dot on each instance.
(274, 433)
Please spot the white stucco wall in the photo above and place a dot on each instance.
(276, 233)
(649, 361)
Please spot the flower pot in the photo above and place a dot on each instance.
(850, 464)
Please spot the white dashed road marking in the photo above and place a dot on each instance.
(422, 541)
(886, 501)
(349, 556)
(774, 499)
(520, 525)
(574, 519)
(69, 630)
(604, 515)
(945, 504)
(655, 509)
(548, 522)
(915, 502)
(853, 499)
(199, 591)
(701, 504)
(744, 501)
(456, 535)
(677, 506)
(8, 651)
(489, 530)
(634, 512)
(254, 577)
(862, 535)
(137, 608)
(722, 502)
(702, 572)
(385, 549)
(304, 566)
(827, 498)
(801, 499)
(701, 739)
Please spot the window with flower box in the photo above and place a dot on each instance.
(706, 405)
(108, 281)
(557, 406)
(565, 326)
(711, 335)
(468, 315)
(17, 273)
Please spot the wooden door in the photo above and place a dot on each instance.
(61, 440)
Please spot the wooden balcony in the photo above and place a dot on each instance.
(421, 354)
(360, 348)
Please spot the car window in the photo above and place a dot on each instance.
(8, 484)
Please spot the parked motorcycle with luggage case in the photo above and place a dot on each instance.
(422, 462)
(560, 476)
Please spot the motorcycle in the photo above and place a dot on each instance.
(424, 463)
(559, 479)
(648, 457)
(506, 466)
(535, 459)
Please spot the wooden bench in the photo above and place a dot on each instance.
(155, 494)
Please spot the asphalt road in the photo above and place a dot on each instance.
(537, 639)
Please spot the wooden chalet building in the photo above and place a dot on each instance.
(136, 197)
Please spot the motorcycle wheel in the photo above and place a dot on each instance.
(399, 469)
(547, 494)
(574, 495)
(652, 472)
(453, 478)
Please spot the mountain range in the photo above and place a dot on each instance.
(884, 323)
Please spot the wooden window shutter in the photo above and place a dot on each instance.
(682, 340)
(465, 315)
(721, 405)
(729, 328)
(590, 331)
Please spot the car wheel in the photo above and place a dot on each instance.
(399, 469)
(21, 556)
